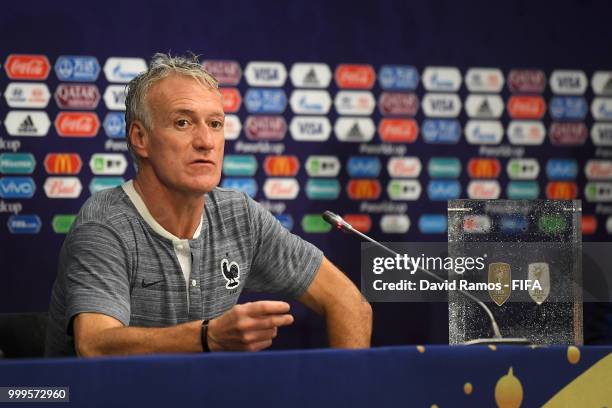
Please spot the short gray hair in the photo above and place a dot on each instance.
(160, 67)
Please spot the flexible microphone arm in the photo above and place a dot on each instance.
(338, 222)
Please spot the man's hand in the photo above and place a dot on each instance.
(248, 327)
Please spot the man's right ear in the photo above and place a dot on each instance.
(139, 138)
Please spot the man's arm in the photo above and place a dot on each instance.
(247, 327)
(348, 315)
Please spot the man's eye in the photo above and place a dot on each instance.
(216, 124)
(182, 123)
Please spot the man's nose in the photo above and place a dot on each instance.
(204, 138)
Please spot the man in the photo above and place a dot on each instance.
(157, 264)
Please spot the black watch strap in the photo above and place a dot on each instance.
(204, 337)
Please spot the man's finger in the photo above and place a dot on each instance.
(269, 322)
(259, 345)
(266, 307)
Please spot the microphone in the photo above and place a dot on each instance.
(337, 221)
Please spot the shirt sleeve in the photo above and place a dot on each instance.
(95, 264)
(283, 263)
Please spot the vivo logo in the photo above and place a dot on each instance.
(442, 79)
(484, 80)
(322, 189)
(568, 107)
(310, 75)
(398, 77)
(354, 129)
(310, 128)
(484, 106)
(562, 169)
(17, 187)
(310, 102)
(564, 82)
(246, 185)
(265, 100)
(123, 69)
(440, 131)
(441, 105)
(77, 68)
(443, 190)
(114, 125)
(524, 132)
(259, 73)
(281, 188)
(484, 132)
(354, 103)
(395, 223)
(24, 224)
(363, 166)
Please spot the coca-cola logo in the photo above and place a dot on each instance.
(77, 124)
(26, 66)
(355, 76)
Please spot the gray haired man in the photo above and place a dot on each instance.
(157, 264)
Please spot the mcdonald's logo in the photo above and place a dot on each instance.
(363, 189)
(484, 168)
(281, 165)
(63, 163)
(561, 190)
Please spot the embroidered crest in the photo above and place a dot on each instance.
(231, 273)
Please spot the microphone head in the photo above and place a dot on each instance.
(332, 218)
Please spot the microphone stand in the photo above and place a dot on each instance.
(338, 222)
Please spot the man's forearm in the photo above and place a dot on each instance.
(182, 338)
(349, 326)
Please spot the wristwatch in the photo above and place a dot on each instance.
(204, 336)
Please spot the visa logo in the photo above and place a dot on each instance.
(363, 166)
(398, 77)
(246, 185)
(568, 107)
(24, 224)
(561, 169)
(265, 73)
(17, 187)
(322, 189)
(432, 224)
(440, 131)
(443, 190)
(285, 220)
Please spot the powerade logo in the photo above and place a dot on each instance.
(103, 183)
(246, 185)
(440, 131)
(17, 187)
(444, 167)
(363, 166)
(523, 190)
(17, 163)
(76, 68)
(265, 100)
(285, 220)
(114, 125)
(513, 224)
(24, 224)
(568, 107)
(239, 165)
(443, 190)
(562, 169)
(398, 77)
(322, 189)
(432, 224)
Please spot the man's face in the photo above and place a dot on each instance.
(185, 143)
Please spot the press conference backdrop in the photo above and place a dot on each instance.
(381, 112)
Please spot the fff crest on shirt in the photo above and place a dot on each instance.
(500, 275)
